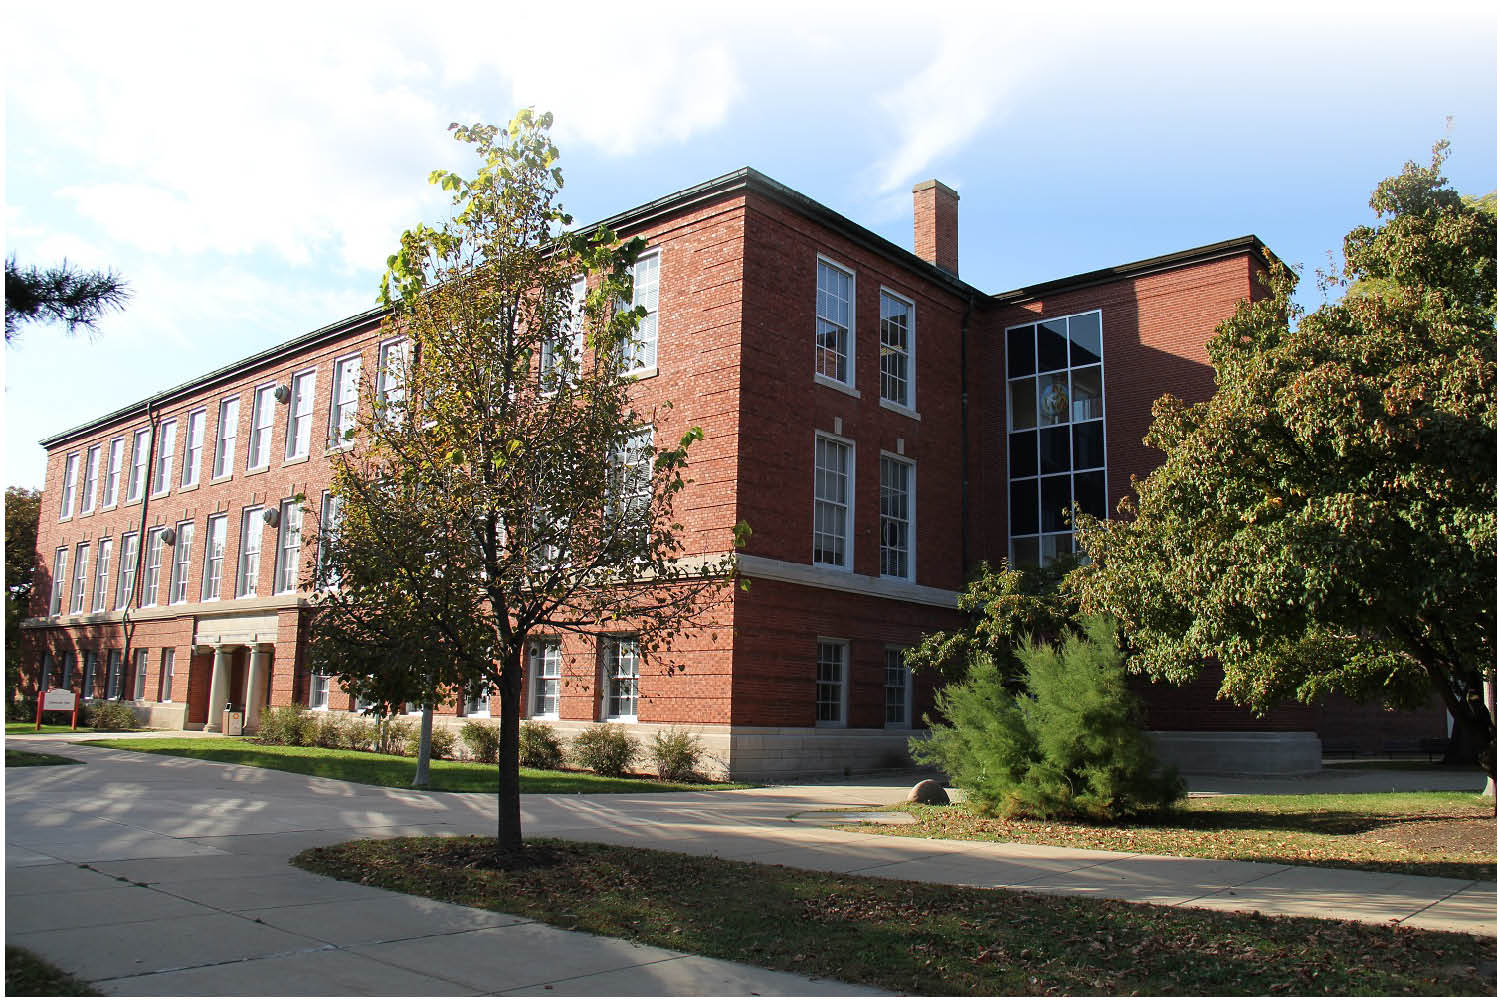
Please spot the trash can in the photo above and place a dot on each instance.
(234, 721)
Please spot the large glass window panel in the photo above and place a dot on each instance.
(1023, 454)
(1023, 551)
(1083, 335)
(835, 313)
(1052, 399)
(1023, 520)
(1057, 497)
(1088, 445)
(1020, 351)
(1088, 491)
(1053, 546)
(1022, 404)
(1051, 345)
(1054, 450)
(1088, 394)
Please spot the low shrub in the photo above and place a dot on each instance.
(605, 749)
(541, 748)
(1070, 744)
(395, 737)
(284, 726)
(330, 732)
(109, 715)
(361, 733)
(482, 740)
(676, 754)
(444, 742)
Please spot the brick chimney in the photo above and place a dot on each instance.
(935, 222)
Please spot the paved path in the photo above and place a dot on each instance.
(187, 890)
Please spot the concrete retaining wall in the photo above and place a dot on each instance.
(1270, 754)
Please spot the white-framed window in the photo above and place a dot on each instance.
(69, 485)
(166, 458)
(112, 679)
(90, 668)
(630, 482)
(639, 354)
(477, 706)
(247, 574)
(544, 668)
(59, 580)
(262, 417)
(345, 403)
(289, 547)
(151, 582)
(621, 657)
(229, 429)
(390, 385)
(897, 690)
(215, 537)
(833, 503)
(69, 662)
(115, 458)
(139, 673)
(834, 325)
(317, 692)
(182, 557)
(1056, 444)
(328, 523)
(101, 575)
(168, 666)
(833, 681)
(566, 352)
(140, 450)
(897, 494)
(46, 680)
(898, 326)
(80, 578)
(125, 579)
(192, 446)
(299, 414)
(91, 479)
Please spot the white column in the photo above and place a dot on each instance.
(218, 690)
(255, 684)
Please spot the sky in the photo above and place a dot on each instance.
(249, 169)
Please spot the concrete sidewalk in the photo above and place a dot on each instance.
(187, 889)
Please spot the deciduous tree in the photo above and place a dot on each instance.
(1326, 521)
(23, 508)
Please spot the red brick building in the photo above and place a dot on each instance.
(881, 424)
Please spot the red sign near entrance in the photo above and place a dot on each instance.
(57, 700)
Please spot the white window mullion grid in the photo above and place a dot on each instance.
(834, 323)
(897, 349)
(139, 674)
(546, 674)
(101, 575)
(262, 418)
(898, 478)
(640, 352)
(151, 582)
(166, 458)
(289, 547)
(345, 402)
(247, 574)
(91, 479)
(622, 677)
(192, 447)
(80, 578)
(328, 520)
(832, 682)
(393, 361)
(833, 505)
(69, 486)
(182, 557)
(897, 690)
(59, 580)
(113, 463)
(215, 538)
(299, 414)
(317, 692)
(168, 668)
(125, 579)
(140, 449)
(228, 432)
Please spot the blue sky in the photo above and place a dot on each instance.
(248, 174)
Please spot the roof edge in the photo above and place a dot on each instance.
(1222, 250)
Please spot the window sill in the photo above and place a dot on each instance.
(216, 480)
(162, 495)
(105, 507)
(64, 520)
(898, 579)
(190, 487)
(833, 566)
(295, 460)
(543, 718)
(905, 411)
(836, 385)
(632, 719)
(130, 503)
(258, 470)
(86, 513)
(641, 373)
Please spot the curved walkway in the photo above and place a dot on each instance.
(164, 875)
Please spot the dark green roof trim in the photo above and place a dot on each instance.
(220, 375)
(1155, 265)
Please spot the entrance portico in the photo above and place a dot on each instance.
(228, 638)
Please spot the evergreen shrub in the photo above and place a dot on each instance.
(108, 715)
(482, 740)
(1068, 744)
(676, 754)
(541, 748)
(605, 749)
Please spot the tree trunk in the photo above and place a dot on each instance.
(424, 750)
(508, 820)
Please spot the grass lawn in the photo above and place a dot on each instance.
(30, 729)
(29, 976)
(915, 937)
(1450, 834)
(25, 758)
(394, 772)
